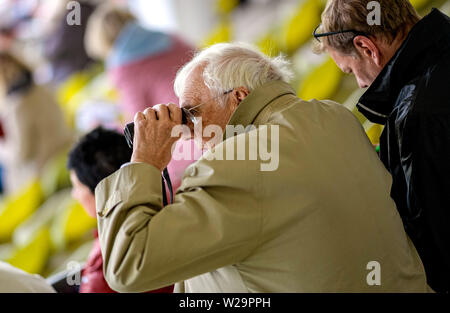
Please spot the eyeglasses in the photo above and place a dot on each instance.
(317, 36)
(189, 112)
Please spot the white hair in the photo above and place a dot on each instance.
(231, 65)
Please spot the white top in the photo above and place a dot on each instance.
(14, 280)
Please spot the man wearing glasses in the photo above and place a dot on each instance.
(323, 221)
(405, 62)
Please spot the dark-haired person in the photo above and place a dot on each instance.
(96, 156)
(405, 62)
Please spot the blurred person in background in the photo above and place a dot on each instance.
(34, 127)
(97, 155)
(405, 62)
(142, 64)
(64, 46)
(14, 280)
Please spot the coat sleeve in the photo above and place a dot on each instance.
(427, 172)
(146, 247)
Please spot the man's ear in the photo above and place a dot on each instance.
(367, 48)
(240, 93)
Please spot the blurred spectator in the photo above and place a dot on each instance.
(142, 65)
(32, 121)
(99, 154)
(14, 280)
(64, 47)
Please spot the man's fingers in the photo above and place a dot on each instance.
(150, 114)
(139, 116)
(175, 113)
(163, 111)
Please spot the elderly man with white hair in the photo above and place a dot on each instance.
(318, 219)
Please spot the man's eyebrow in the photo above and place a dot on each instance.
(187, 105)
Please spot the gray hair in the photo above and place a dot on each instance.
(231, 65)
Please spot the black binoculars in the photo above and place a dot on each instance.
(129, 129)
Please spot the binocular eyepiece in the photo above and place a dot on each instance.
(129, 129)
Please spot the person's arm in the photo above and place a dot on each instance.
(210, 225)
(214, 221)
(427, 172)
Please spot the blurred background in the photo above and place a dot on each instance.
(63, 73)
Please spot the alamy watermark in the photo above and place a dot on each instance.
(260, 143)
(373, 278)
(73, 277)
(374, 16)
(74, 15)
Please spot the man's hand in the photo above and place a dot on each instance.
(152, 141)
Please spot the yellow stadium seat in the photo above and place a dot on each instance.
(71, 224)
(298, 29)
(32, 257)
(55, 175)
(226, 6)
(322, 82)
(71, 87)
(374, 133)
(269, 45)
(97, 88)
(42, 217)
(419, 4)
(67, 90)
(15, 209)
(222, 33)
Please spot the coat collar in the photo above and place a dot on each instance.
(430, 34)
(257, 100)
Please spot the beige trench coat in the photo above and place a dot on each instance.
(314, 224)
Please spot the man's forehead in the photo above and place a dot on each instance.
(195, 75)
(194, 88)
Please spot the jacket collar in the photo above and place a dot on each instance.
(427, 35)
(257, 100)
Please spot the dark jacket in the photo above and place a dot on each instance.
(411, 96)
